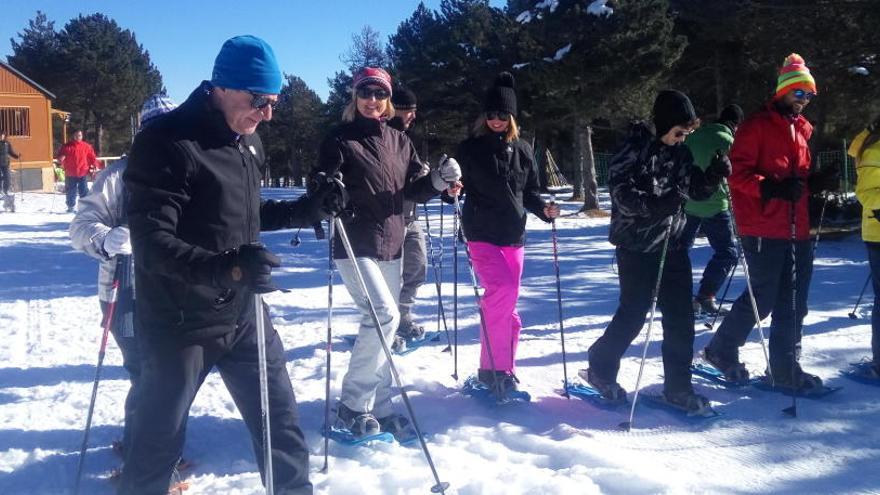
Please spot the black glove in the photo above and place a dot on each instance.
(248, 266)
(876, 214)
(790, 189)
(720, 166)
(664, 206)
(827, 179)
(327, 197)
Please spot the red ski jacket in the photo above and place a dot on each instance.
(76, 158)
(769, 145)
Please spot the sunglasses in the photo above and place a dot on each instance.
(498, 116)
(260, 102)
(366, 93)
(803, 95)
(679, 134)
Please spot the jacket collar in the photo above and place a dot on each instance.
(209, 119)
(370, 127)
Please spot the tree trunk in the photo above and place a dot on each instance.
(100, 143)
(577, 182)
(591, 186)
(588, 186)
(719, 83)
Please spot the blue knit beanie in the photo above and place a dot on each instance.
(247, 63)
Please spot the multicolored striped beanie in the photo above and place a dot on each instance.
(793, 75)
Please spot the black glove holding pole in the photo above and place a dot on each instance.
(788, 189)
(246, 267)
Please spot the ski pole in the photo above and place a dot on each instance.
(264, 394)
(559, 303)
(440, 486)
(329, 347)
(819, 227)
(441, 312)
(855, 312)
(20, 181)
(711, 325)
(741, 256)
(454, 289)
(496, 387)
(627, 425)
(792, 411)
(559, 309)
(108, 323)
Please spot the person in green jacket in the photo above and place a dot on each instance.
(712, 215)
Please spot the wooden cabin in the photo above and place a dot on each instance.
(26, 115)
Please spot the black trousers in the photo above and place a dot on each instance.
(173, 369)
(770, 272)
(5, 179)
(637, 273)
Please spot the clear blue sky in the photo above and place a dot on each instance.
(183, 36)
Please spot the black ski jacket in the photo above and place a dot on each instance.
(645, 168)
(500, 184)
(378, 165)
(410, 208)
(194, 192)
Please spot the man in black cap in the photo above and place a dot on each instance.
(414, 259)
(712, 215)
(649, 180)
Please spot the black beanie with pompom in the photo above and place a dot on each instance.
(501, 97)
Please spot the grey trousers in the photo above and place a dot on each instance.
(414, 271)
(366, 385)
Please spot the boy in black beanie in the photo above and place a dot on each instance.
(649, 180)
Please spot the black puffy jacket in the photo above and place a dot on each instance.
(645, 169)
(500, 184)
(379, 165)
(194, 191)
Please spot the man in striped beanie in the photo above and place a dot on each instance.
(770, 188)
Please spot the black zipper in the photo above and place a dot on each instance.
(246, 238)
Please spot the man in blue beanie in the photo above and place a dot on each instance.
(195, 217)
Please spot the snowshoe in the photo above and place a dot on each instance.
(692, 404)
(501, 389)
(732, 371)
(609, 390)
(864, 372)
(804, 384)
(399, 426)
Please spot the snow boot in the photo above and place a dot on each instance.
(501, 383)
(610, 389)
(360, 424)
(706, 304)
(398, 345)
(804, 382)
(733, 370)
(689, 401)
(411, 331)
(397, 425)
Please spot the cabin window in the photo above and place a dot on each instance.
(15, 121)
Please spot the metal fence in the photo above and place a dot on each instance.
(824, 159)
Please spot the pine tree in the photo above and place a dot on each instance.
(292, 137)
(583, 67)
(109, 76)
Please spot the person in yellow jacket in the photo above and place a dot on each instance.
(865, 148)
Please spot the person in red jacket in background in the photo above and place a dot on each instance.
(770, 188)
(78, 159)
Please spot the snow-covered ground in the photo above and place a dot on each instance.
(49, 321)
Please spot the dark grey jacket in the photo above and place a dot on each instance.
(379, 166)
(645, 169)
